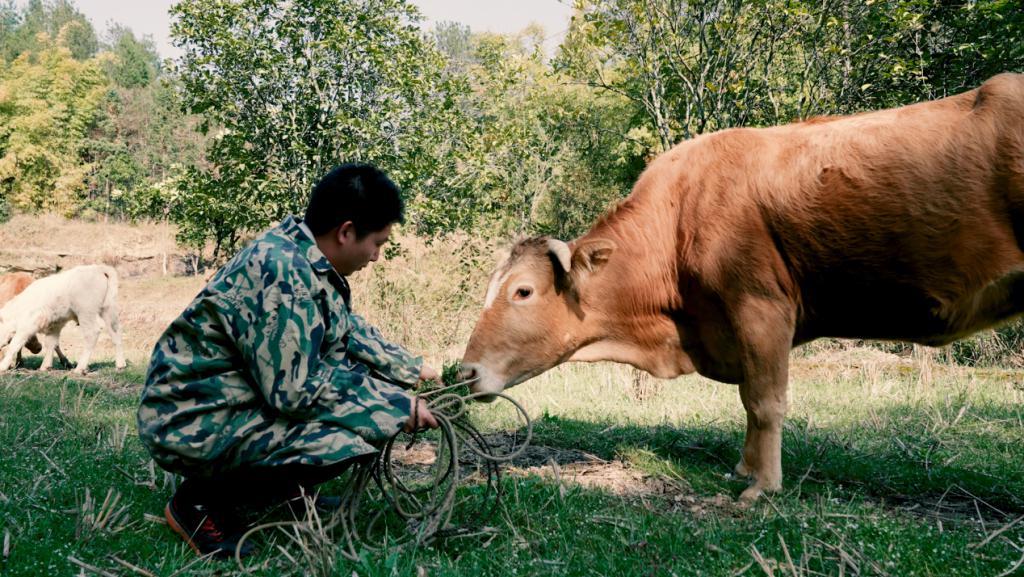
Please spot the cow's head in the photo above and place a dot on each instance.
(534, 307)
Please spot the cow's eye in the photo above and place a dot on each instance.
(523, 293)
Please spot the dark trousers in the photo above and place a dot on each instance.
(260, 486)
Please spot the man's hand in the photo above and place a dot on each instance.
(421, 418)
(429, 374)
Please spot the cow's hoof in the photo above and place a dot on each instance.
(79, 372)
(121, 366)
(750, 495)
(759, 487)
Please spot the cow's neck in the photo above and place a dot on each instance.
(627, 303)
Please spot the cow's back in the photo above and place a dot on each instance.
(11, 284)
(82, 289)
(880, 224)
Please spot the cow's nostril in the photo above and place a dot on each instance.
(467, 374)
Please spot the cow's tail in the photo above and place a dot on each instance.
(110, 297)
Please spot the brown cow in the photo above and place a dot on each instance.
(734, 247)
(11, 284)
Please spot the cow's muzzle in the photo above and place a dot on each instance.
(482, 381)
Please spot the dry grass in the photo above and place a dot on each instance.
(45, 243)
(428, 296)
(96, 518)
(418, 279)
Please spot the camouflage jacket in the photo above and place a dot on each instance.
(268, 366)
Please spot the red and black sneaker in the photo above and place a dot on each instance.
(206, 531)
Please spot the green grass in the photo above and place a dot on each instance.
(888, 472)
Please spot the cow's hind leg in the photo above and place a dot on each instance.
(90, 332)
(765, 332)
(49, 345)
(109, 315)
(62, 358)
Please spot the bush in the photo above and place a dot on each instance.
(1001, 347)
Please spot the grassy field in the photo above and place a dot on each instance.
(894, 465)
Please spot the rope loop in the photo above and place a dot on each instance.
(389, 504)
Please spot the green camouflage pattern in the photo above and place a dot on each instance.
(268, 366)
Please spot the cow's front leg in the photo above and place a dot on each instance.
(13, 348)
(762, 449)
(765, 331)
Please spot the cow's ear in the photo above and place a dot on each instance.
(591, 255)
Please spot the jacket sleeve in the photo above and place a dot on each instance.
(392, 361)
(279, 331)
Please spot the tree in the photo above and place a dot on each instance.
(291, 88)
(545, 155)
(56, 19)
(455, 41)
(135, 63)
(48, 102)
(691, 66)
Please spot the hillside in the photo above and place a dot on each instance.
(441, 281)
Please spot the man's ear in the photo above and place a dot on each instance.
(591, 255)
(346, 231)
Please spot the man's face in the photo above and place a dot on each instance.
(354, 253)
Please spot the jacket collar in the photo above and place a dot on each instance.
(297, 230)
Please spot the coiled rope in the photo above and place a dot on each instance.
(383, 509)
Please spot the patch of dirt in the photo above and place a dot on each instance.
(655, 493)
(568, 467)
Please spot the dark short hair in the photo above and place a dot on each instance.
(360, 193)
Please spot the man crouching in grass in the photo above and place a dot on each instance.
(268, 384)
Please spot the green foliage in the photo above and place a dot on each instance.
(48, 102)
(482, 132)
(455, 41)
(134, 62)
(694, 67)
(32, 29)
(86, 135)
(546, 155)
(1001, 347)
(140, 141)
(291, 89)
(5, 209)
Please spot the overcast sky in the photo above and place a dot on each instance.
(150, 18)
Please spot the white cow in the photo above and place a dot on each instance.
(85, 294)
